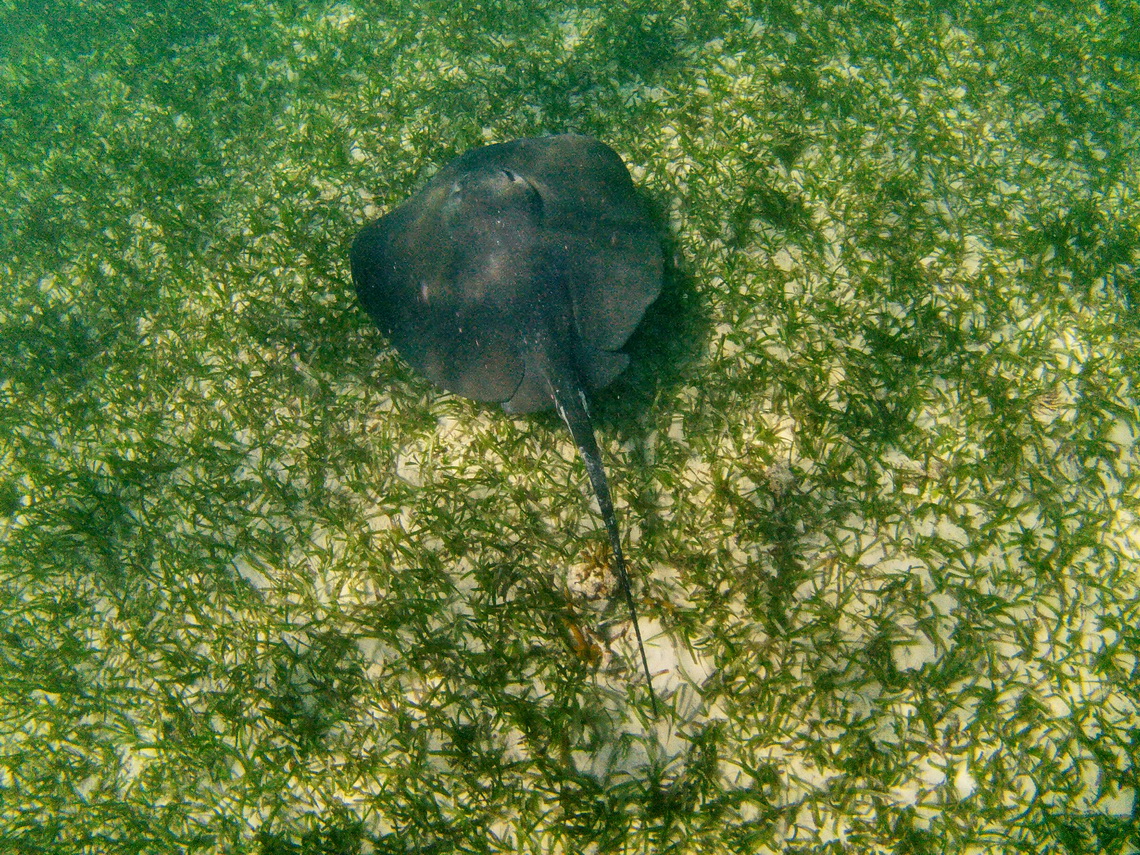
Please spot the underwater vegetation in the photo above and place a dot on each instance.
(265, 589)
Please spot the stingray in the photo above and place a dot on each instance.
(515, 275)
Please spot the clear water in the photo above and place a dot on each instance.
(264, 590)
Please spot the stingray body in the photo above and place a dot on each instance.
(515, 275)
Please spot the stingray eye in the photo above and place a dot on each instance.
(510, 175)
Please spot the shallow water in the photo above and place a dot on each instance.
(262, 587)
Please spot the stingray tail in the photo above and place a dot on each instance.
(570, 401)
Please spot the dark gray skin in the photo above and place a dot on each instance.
(515, 275)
